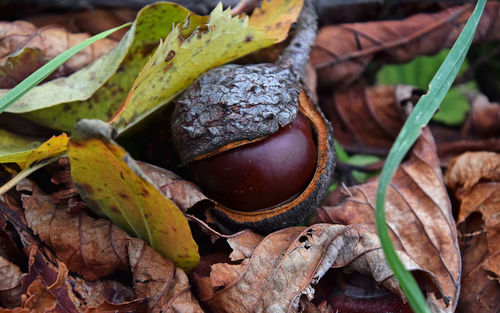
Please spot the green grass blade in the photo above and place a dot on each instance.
(40, 74)
(421, 115)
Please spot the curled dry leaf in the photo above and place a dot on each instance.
(418, 212)
(475, 180)
(10, 283)
(483, 118)
(469, 168)
(97, 248)
(272, 274)
(50, 288)
(50, 41)
(447, 150)
(395, 41)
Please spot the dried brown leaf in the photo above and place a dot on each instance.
(449, 150)
(20, 65)
(10, 283)
(136, 306)
(182, 192)
(479, 292)
(475, 180)
(287, 263)
(367, 119)
(394, 41)
(91, 21)
(96, 248)
(50, 40)
(482, 120)
(469, 168)
(39, 298)
(92, 248)
(157, 279)
(418, 211)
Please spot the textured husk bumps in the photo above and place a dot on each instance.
(233, 106)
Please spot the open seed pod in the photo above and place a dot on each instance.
(254, 141)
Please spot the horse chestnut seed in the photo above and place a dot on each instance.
(256, 144)
(262, 174)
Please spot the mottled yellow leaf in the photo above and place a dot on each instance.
(13, 146)
(54, 146)
(112, 184)
(178, 62)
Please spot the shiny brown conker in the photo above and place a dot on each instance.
(262, 174)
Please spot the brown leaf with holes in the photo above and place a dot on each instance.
(272, 274)
(10, 283)
(50, 41)
(418, 212)
(474, 177)
(96, 248)
(342, 52)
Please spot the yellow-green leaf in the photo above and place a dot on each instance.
(55, 146)
(178, 62)
(13, 146)
(97, 90)
(112, 184)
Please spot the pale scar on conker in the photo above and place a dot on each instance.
(253, 140)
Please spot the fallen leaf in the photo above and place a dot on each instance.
(449, 150)
(61, 103)
(183, 193)
(396, 41)
(10, 283)
(479, 291)
(51, 286)
(19, 66)
(55, 146)
(112, 184)
(88, 247)
(467, 170)
(287, 263)
(483, 118)
(13, 144)
(8, 245)
(96, 248)
(156, 278)
(178, 62)
(374, 130)
(132, 306)
(418, 212)
(39, 299)
(50, 41)
(474, 178)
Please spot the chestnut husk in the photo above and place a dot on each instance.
(235, 105)
(200, 131)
